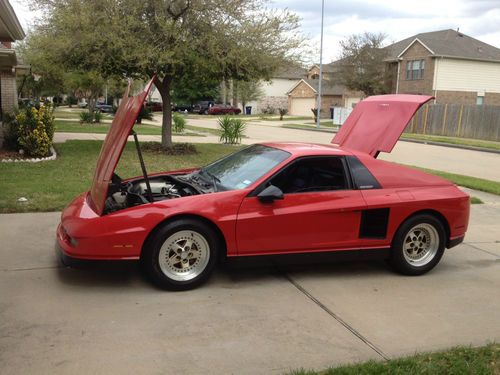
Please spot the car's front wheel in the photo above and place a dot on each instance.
(418, 245)
(181, 254)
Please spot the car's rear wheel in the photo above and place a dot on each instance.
(418, 245)
(181, 255)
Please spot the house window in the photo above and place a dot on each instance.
(480, 100)
(415, 69)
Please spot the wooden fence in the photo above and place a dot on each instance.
(456, 120)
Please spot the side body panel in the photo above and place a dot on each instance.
(407, 191)
(315, 221)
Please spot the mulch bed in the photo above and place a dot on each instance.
(6, 154)
(176, 149)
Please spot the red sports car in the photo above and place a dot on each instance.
(269, 199)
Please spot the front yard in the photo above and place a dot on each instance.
(49, 186)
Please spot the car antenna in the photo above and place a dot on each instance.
(143, 167)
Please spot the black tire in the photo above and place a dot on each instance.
(166, 275)
(424, 238)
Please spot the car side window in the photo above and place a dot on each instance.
(312, 174)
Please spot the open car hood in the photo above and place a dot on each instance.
(113, 145)
(377, 122)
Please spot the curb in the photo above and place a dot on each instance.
(451, 145)
(433, 143)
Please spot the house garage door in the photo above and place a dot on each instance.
(302, 106)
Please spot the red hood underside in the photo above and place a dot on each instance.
(113, 145)
(377, 122)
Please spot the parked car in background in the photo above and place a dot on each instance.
(82, 104)
(104, 108)
(203, 107)
(154, 106)
(28, 102)
(182, 107)
(223, 109)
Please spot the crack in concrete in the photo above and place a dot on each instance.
(479, 249)
(336, 317)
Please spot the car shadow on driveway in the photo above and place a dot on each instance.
(228, 274)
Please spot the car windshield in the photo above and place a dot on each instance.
(241, 169)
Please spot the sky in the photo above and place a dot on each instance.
(398, 19)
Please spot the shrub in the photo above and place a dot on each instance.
(11, 132)
(232, 129)
(35, 128)
(282, 111)
(97, 116)
(315, 113)
(179, 122)
(71, 100)
(144, 114)
(86, 117)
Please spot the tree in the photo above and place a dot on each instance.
(226, 39)
(247, 91)
(362, 66)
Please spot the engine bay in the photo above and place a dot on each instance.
(130, 193)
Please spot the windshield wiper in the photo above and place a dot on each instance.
(214, 178)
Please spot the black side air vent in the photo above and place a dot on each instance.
(374, 223)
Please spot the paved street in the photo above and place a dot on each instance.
(246, 320)
(466, 162)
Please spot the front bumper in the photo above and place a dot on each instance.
(84, 235)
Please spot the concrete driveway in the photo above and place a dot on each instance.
(108, 319)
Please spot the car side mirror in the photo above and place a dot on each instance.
(270, 194)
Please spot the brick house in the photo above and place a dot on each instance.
(304, 94)
(449, 65)
(10, 31)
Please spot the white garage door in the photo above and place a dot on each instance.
(302, 106)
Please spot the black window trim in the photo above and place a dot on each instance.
(350, 160)
(349, 180)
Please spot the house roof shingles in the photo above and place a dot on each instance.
(290, 72)
(448, 43)
(327, 88)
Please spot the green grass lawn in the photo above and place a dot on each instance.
(475, 200)
(453, 140)
(143, 129)
(51, 185)
(457, 361)
(73, 113)
(475, 183)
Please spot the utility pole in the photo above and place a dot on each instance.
(320, 66)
